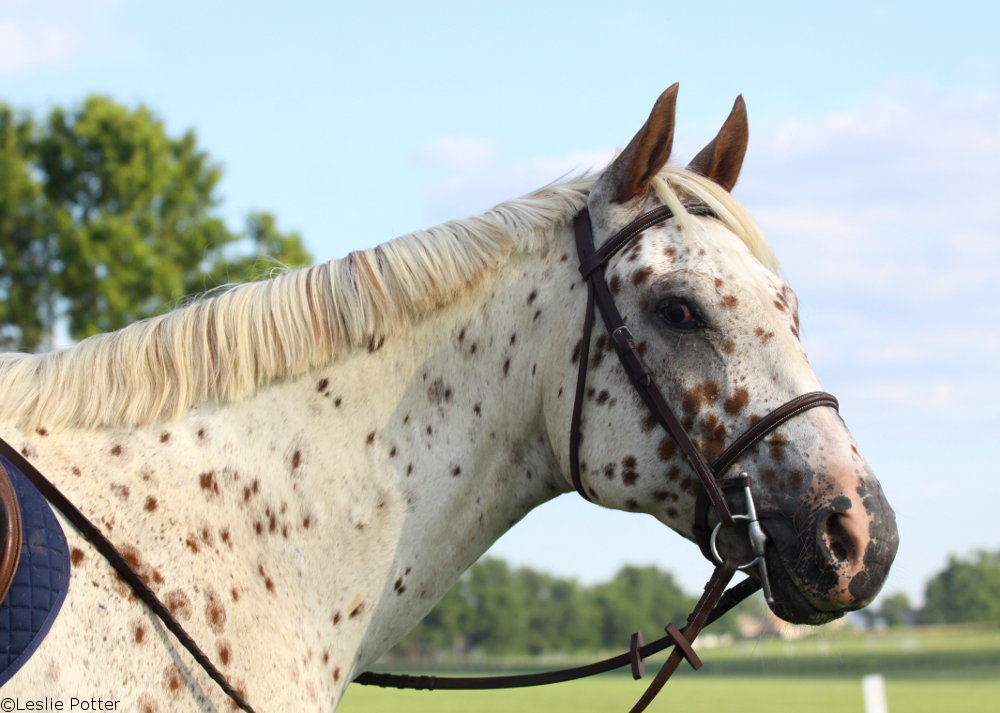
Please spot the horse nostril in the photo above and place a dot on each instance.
(838, 540)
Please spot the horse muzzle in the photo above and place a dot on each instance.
(833, 561)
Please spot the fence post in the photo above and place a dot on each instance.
(873, 689)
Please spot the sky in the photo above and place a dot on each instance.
(873, 168)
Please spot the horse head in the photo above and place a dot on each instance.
(715, 325)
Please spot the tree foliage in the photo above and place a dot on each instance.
(965, 591)
(106, 219)
(496, 609)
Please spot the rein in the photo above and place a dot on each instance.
(715, 601)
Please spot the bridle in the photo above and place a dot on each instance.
(715, 601)
(593, 262)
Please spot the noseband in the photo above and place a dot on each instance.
(593, 262)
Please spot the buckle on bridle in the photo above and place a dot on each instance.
(636, 368)
(758, 539)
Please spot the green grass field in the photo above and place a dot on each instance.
(948, 670)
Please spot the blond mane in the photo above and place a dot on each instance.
(226, 346)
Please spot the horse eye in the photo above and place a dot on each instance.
(678, 314)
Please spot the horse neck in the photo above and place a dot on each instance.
(352, 496)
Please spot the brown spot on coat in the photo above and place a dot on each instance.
(76, 556)
(532, 296)
(224, 654)
(215, 614)
(697, 397)
(642, 275)
(762, 335)
(615, 284)
(356, 610)
(138, 633)
(151, 504)
(164, 437)
(172, 679)
(666, 449)
(737, 402)
(178, 603)
(116, 451)
(729, 301)
(268, 582)
(370, 438)
(438, 392)
(208, 483)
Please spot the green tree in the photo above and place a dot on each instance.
(27, 236)
(106, 219)
(896, 610)
(643, 599)
(965, 591)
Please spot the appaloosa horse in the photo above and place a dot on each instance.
(300, 468)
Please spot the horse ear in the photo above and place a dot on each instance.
(722, 159)
(647, 152)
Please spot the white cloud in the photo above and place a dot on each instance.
(26, 47)
(457, 153)
(473, 175)
(46, 34)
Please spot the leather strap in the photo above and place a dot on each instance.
(103, 545)
(716, 608)
(621, 337)
(696, 622)
(10, 530)
(592, 266)
(701, 529)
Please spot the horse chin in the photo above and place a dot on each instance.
(790, 603)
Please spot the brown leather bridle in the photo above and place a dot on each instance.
(715, 601)
(593, 262)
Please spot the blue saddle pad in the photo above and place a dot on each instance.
(40, 583)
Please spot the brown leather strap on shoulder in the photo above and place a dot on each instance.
(11, 534)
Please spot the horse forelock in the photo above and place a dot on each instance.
(673, 185)
(227, 345)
